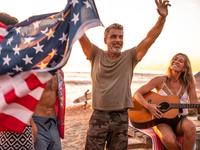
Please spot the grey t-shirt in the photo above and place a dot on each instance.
(111, 80)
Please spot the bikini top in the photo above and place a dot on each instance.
(183, 96)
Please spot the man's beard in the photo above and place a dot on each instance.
(115, 50)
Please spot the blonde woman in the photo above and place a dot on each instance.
(179, 81)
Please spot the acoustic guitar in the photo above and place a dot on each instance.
(141, 118)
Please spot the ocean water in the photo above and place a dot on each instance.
(78, 82)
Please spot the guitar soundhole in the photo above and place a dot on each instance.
(164, 107)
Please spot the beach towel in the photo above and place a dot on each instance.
(156, 143)
(60, 103)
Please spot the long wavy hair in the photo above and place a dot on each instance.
(186, 76)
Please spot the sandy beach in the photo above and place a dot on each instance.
(76, 125)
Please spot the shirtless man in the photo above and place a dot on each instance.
(47, 134)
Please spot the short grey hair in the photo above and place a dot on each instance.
(112, 26)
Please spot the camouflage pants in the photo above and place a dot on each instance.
(107, 129)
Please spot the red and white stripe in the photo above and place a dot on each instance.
(18, 98)
(19, 95)
(3, 31)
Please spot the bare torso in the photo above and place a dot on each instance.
(45, 107)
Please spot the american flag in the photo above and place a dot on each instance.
(31, 51)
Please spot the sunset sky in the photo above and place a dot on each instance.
(181, 32)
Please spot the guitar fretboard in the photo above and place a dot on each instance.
(184, 105)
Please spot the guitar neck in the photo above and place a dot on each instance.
(184, 105)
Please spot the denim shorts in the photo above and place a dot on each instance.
(47, 137)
